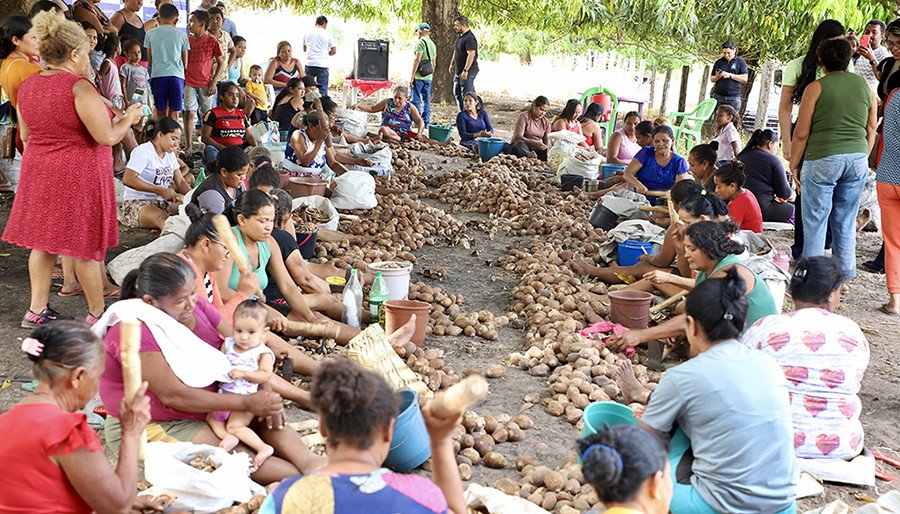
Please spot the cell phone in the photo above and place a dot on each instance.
(864, 40)
(138, 96)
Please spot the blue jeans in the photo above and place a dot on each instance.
(461, 87)
(321, 75)
(210, 154)
(831, 188)
(421, 98)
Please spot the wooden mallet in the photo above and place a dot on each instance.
(459, 396)
(227, 237)
(130, 347)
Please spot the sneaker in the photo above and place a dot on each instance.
(872, 267)
(32, 320)
(92, 320)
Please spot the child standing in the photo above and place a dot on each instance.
(110, 83)
(743, 207)
(727, 120)
(203, 65)
(134, 76)
(257, 91)
(253, 363)
(167, 53)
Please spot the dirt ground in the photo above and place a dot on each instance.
(487, 286)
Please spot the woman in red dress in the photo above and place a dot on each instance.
(54, 460)
(66, 201)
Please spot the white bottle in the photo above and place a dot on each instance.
(352, 300)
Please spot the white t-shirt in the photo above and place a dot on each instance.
(728, 134)
(318, 43)
(152, 169)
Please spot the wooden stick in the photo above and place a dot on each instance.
(130, 347)
(226, 235)
(669, 301)
(658, 194)
(326, 330)
(673, 214)
(459, 396)
(650, 208)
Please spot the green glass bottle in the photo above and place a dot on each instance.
(378, 294)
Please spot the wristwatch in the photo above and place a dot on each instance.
(873, 62)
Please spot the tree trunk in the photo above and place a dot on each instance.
(765, 87)
(752, 66)
(704, 80)
(682, 93)
(652, 86)
(440, 15)
(525, 58)
(8, 7)
(665, 92)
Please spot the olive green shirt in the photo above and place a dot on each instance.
(840, 117)
(429, 51)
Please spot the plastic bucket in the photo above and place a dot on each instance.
(396, 279)
(630, 308)
(601, 217)
(570, 182)
(307, 186)
(489, 147)
(601, 415)
(398, 312)
(610, 170)
(605, 101)
(306, 242)
(410, 445)
(285, 179)
(440, 133)
(629, 251)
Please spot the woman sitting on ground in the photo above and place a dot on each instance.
(742, 205)
(711, 252)
(285, 236)
(153, 178)
(643, 133)
(473, 121)
(287, 104)
(627, 467)
(532, 130)
(255, 216)
(730, 411)
(702, 165)
(310, 147)
(54, 459)
(222, 187)
(823, 356)
(357, 412)
(165, 289)
(225, 125)
(593, 134)
(657, 167)
(568, 119)
(398, 115)
(766, 177)
(624, 143)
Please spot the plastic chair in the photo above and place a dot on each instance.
(691, 124)
(609, 124)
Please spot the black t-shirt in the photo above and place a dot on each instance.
(465, 43)
(287, 244)
(729, 87)
(889, 81)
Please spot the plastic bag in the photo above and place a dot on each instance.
(354, 122)
(497, 502)
(562, 144)
(583, 163)
(380, 155)
(354, 190)
(321, 203)
(352, 300)
(166, 467)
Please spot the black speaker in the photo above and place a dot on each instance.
(371, 60)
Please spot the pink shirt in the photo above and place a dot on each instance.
(112, 388)
(628, 149)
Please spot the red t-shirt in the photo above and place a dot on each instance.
(32, 433)
(744, 210)
(112, 386)
(228, 127)
(203, 52)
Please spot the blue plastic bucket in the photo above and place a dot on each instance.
(610, 170)
(489, 147)
(410, 445)
(602, 415)
(629, 251)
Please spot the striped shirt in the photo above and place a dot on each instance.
(888, 171)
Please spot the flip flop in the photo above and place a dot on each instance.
(884, 310)
(61, 294)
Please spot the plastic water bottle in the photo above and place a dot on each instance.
(352, 300)
(378, 294)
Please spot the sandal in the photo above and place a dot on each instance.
(887, 311)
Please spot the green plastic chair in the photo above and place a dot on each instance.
(608, 126)
(691, 124)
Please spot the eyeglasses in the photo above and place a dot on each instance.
(889, 43)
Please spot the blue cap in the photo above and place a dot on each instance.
(424, 26)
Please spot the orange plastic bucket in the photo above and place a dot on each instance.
(398, 312)
(630, 308)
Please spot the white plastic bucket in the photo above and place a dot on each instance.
(396, 279)
(777, 288)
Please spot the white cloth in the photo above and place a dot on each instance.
(318, 44)
(246, 361)
(631, 230)
(194, 362)
(152, 169)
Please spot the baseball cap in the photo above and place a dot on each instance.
(424, 26)
(309, 81)
(728, 44)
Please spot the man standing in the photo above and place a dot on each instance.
(227, 25)
(728, 74)
(464, 64)
(319, 45)
(226, 45)
(423, 72)
(874, 53)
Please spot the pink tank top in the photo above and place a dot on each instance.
(110, 85)
(628, 149)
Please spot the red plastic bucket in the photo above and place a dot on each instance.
(605, 101)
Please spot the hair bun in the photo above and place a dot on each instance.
(714, 144)
(193, 212)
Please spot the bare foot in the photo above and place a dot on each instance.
(403, 334)
(262, 455)
(229, 443)
(632, 390)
